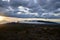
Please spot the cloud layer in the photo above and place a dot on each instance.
(30, 8)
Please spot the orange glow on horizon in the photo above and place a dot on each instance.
(2, 18)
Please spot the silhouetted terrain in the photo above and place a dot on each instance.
(21, 31)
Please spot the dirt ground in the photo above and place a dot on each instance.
(29, 32)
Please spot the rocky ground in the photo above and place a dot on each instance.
(29, 32)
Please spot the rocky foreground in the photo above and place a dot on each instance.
(29, 32)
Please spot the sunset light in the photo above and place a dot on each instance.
(1, 18)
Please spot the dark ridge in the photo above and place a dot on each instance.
(47, 22)
(31, 25)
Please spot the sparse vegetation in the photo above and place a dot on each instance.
(20, 31)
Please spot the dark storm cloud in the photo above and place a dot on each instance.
(37, 6)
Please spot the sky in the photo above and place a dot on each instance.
(30, 8)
